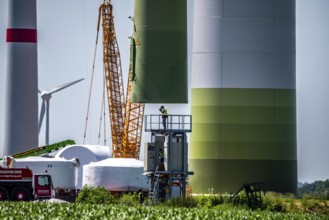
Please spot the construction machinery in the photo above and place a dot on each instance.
(43, 150)
(126, 118)
(21, 184)
(253, 193)
(63, 173)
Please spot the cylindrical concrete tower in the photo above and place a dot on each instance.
(243, 95)
(21, 108)
(160, 67)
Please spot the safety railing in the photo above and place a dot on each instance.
(175, 123)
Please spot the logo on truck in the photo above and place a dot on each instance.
(10, 171)
(43, 191)
(16, 174)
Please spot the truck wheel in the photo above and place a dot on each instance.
(3, 193)
(20, 193)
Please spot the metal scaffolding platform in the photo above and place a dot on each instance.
(167, 173)
(175, 123)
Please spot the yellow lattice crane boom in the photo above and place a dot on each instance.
(126, 118)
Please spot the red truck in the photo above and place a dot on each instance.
(20, 184)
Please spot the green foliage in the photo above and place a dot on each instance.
(99, 195)
(129, 199)
(212, 200)
(188, 202)
(280, 202)
(200, 201)
(203, 201)
(317, 189)
(84, 211)
(95, 195)
(288, 203)
(315, 205)
(240, 199)
(274, 202)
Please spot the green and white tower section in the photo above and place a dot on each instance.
(243, 95)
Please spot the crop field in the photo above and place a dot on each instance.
(46, 210)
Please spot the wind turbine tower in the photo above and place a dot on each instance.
(21, 106)
(243, 95)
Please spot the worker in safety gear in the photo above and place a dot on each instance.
(161, 166)
(164, 113)
(140, 196)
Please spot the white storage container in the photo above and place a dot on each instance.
(86, 154)
(116, 174)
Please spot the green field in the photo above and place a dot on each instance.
(45, 210)
(98, 203)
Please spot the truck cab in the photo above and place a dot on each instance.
(42, 186)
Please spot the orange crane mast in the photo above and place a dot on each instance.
(126, 118)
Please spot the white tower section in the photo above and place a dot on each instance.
(21, 108)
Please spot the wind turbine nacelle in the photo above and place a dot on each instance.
(45, 95)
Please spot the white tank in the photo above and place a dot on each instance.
(86, 155)
(116, 174)
(62, 171)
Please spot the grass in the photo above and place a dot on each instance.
(98, 203)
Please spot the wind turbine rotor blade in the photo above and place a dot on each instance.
(42, 114)
(60, 87)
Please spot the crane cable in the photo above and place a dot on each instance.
(104, 108)
(103, 114)
(92, 77)
(100, 118)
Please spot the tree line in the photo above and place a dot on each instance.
(318, 189)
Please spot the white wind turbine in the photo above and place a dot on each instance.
(46, 95)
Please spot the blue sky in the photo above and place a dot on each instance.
(66, 43)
